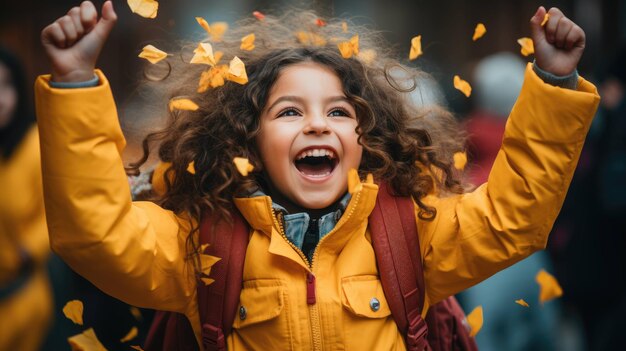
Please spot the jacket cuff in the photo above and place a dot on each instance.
(93, 82)
(569, 81)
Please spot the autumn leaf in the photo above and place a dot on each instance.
(217, 30)
(132, 333)
(349, 48)
(527, 46)
(152, 54)
(237, 71)
(243, 165)
(545, 19)
(479, 31)
(203, 54)
(309, 38)
(183, 104)
(203, 247)
(258, 15)
(549, 287)
(416, 47)
(144, 8)
(320, 22)
(73, 310)
(191, 168)
(344, 27)
(86, 341)
(204, 24)
(206, 262)
(475, 320)
(460, 160)
(462, 86)
(247, 42)
(521, 302)
(212, 78)
(136, 313)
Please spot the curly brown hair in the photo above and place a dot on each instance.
(402, 143)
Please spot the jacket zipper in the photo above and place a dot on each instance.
(311, 299)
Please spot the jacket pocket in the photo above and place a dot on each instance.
(262, 319)
(363, 295)
(367, 323)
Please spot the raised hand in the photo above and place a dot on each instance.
(74, 41)
(559, 44)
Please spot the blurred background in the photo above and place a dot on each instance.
(586, 248)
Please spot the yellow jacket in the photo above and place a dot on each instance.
(134, 251)
(24, 314)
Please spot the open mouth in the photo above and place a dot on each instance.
(316, 163)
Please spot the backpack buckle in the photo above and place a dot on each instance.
(213, 338)
(416, 335)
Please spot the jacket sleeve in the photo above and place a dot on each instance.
(132, 251)
(477, 234)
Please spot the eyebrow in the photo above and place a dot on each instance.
(300, 100)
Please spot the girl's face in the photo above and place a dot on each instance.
(8, 96)
(307, 139)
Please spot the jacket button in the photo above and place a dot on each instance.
(243, 313)
(374, 304)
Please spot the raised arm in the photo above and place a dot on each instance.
(134, 252)
(480, 233)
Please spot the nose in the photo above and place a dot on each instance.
(316, 124)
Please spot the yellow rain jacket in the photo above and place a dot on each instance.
(26, 312)
(134, 251)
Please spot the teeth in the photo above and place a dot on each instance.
(316, 153)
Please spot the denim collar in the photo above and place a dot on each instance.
(296, 224)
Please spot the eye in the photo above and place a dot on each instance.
(289, 112)
(339, 112)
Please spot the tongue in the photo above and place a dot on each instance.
(314, 170)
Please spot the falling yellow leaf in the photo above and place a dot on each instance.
(368, 56)
(137, 348)
(152, 54)
(545, 19)
(218, 56)
(258, 15)
(243, 166)
(206, 262)
(212, 78)
(217, 30)
(344, 27)
(479, 31)
(247, 42)
(521, 302)
(132, 333)
(549, 287)
(86, 341)
(203, 247)
(462, 86)
(203, 54)
(309, 38)
(237, 71)
(475, 320)
(136, 313)
(73, 310)
(460, 160)
(191, 168)
(416, 47)
(527, 46)
(349, 48)
(183, 104)
(204, 24)
(144, 8)
(207, 281)
(354, 182)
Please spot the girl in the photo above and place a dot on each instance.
(304, 119)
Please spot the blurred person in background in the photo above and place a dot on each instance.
(497, 82)
(25, 297)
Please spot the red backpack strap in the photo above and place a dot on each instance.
(218, 301)
(394, 238)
